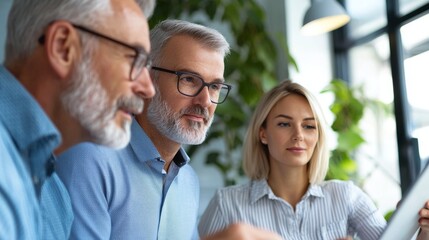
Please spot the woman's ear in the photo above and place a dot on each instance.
(262, 136)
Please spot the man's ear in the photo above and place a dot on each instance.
(62, 46)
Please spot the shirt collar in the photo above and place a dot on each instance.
(33, 133)
(181, 158)
(260, 188)
(146, 151)
(315, 190)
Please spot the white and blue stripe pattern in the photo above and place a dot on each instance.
(331, 210)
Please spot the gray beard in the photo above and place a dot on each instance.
(168, 123)
(88, 102)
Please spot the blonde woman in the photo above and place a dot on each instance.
(286, 158)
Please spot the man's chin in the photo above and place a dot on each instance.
(114, 136)
(119, 142)
(196, 138)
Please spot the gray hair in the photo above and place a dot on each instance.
(28, 18)
(167, 29)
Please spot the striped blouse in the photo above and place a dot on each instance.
(331, 210)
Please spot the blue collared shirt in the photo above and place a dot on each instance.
(27, 140)
(332, 210)
(126, 194)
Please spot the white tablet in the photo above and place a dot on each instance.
(404, 222)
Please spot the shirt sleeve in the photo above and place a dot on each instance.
(18, 204)
(84, 172)
(365, 218)
(8, 225)
(212, 219)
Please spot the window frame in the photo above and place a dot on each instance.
(408, 155)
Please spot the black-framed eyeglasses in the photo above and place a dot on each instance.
(190, 84)
(141, 59)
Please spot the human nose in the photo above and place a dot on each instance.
(144, 86)
(297, 134)
(203, 97)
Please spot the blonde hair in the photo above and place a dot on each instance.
(255, 154)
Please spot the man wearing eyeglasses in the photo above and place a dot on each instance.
(75, 70)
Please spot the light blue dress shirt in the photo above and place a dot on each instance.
(332, 210)
(57, 212)
(126, 194)
(27, 140)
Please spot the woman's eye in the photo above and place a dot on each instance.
(283, 124)
(310, 127)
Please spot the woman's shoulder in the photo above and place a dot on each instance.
(338, 185)
(238, 187)
(235, 190)
(252, 189)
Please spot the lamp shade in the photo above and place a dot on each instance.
(323, 16)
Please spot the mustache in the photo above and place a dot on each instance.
(199, 110)
(131, 104)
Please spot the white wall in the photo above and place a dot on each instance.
(312, 53)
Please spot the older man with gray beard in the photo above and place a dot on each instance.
(75, 70)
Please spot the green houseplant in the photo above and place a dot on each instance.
(348, 108)
(348, 111)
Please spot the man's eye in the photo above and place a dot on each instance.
(131, 57)
(188, 79)
(216, 87)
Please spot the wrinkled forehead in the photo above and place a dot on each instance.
(185, 53)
